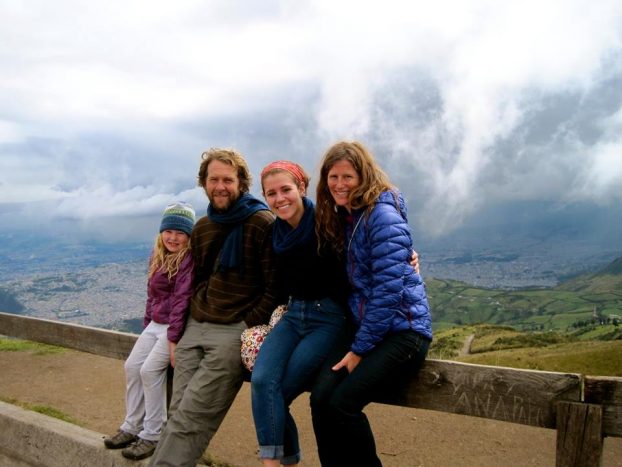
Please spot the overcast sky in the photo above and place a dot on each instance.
(106, 107)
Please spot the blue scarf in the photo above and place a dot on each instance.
(285, 238)
(233, 249)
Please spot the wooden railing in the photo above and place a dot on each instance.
(583, 409)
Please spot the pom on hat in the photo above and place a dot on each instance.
(178, 216)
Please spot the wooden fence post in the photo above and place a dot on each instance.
(579, 434)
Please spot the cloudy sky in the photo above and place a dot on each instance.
(106, 107)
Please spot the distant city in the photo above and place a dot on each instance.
(104, 285)
(110, 295)
(545, 266)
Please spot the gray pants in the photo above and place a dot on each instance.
(208, 376)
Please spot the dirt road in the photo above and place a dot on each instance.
(90, 389)
(466, 348)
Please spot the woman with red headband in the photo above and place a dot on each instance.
(315, 287)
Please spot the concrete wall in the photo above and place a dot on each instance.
(29, 439)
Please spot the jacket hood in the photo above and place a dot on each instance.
(394, 198)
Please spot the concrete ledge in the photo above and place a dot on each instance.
(28, 438)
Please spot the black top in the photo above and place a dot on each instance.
(304, 274)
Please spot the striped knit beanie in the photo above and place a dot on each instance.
(178, 216)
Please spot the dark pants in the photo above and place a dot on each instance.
(342, 431)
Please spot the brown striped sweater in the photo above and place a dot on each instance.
(232, 296)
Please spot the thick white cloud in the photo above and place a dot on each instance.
(106, 201)
(116, 100)
(605, 171)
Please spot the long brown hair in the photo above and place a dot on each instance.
(373, 181)
(162, 259)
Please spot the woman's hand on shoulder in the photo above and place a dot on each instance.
(350, 362)
(414, 261)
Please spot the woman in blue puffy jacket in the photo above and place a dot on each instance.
(364, 217)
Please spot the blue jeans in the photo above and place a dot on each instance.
(287, 362)
(342, 430)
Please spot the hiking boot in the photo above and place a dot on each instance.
(141, 449)
(120, 440)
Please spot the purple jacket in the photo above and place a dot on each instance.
(168, 301)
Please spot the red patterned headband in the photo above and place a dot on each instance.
(291, 167)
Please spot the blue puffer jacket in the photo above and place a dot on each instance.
(387, 294)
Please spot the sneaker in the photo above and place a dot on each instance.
(120, 440)
(141, 449)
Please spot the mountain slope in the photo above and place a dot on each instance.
(608, 279)
(614, 268)
(575, 303)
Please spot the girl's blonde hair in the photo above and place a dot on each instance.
(372, 181)
(162, 259)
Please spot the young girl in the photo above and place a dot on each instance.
(364, 217)
(169, 289)
(315, 287)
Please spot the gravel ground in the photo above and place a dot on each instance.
(90, 389)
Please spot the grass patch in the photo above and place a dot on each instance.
(607, 332)
(514, 340)
(445, 347)
(595, 353)
(42, 409)
(19, 345)
(487, 330)
(52, 412)
(439, 326)
(447, 343)
(598, 358)
(489, 341)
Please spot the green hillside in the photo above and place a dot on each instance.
(596, 358)
(615, 267)
(590, 303)
(549, 351)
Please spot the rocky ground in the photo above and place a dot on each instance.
(90, 389)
